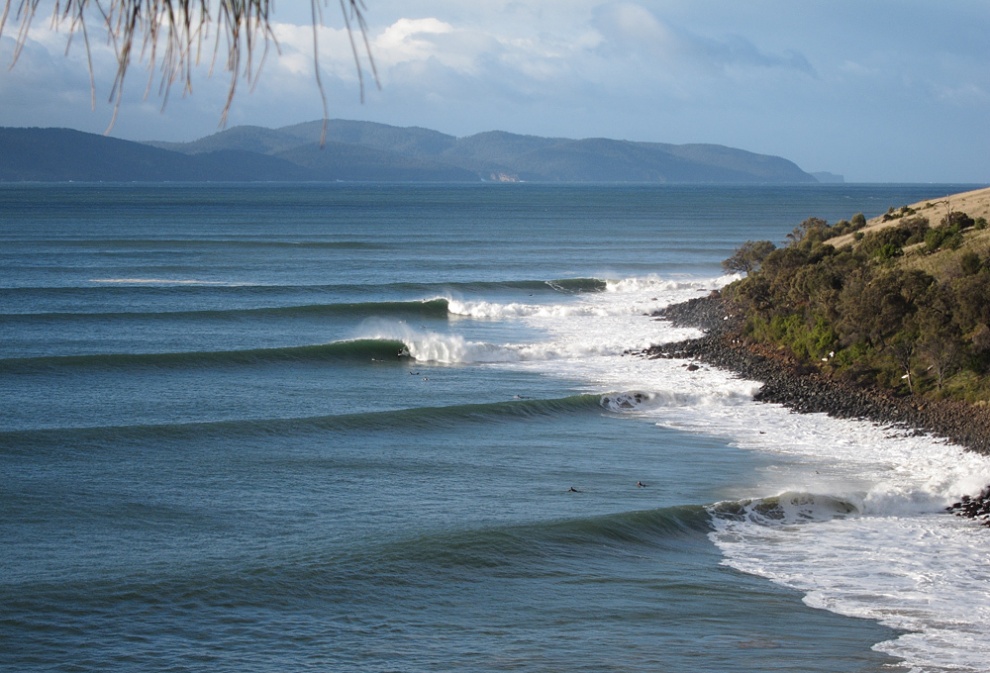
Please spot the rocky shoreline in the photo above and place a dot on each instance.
(806, 389)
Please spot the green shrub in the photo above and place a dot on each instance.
(889, 251)
(943, 237)
(916, 228)
(960, 221)
(886, 243)
(881, 319)
(970, 263)
(748, 257)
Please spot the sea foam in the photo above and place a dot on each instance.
(847, 512)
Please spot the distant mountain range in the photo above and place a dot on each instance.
(365, 151)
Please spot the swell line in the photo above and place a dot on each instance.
(374, 565)
(125, 286)
(499, 546)
(339, 351)
(517, 545)
(431, 308)
(73, 245)
(410, 419)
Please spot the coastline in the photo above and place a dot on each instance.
(805, 389)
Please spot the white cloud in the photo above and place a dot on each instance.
(815, 83)
(964, 95)
(635, 25)
(411, 39)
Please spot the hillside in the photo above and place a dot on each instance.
(976, 203)
(842, 320)
(363, 151)
(501, 156)
(63, 155)
(900, 302)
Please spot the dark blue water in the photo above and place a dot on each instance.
(244, 429)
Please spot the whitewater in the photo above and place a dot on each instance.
(259, 428)
(850, 513)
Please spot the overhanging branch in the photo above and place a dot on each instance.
(169, 35)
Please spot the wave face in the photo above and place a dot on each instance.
(413, 419)
(400, 427)
(357, 349)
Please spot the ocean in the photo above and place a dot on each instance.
(401, 427)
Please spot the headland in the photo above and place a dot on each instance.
(800, 321)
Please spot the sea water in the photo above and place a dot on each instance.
(402, 428)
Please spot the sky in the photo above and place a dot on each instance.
(874, 90)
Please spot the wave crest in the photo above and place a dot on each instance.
(789, 508)
(623, 402)
(484, 310)
(576, 285)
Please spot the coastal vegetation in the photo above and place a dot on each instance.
(901, 302)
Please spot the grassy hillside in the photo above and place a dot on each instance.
(901, 301)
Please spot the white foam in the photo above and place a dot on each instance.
(862, 530)
(492, 311)
(429, 346)
(654, 283)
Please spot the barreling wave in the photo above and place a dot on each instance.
(412, 419)
(577, 285)
(357, 350)
(433, 347)
(786, 509)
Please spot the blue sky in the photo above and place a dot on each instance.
(876, 90)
